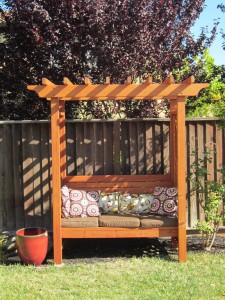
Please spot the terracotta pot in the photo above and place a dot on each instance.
(32, 245)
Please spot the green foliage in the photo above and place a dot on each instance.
(98, 38)
(3, 250)
(210, 102)
(210, 197)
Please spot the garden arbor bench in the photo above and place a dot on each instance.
(176, 93)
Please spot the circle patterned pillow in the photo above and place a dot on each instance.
(165, 201)
(79, 203)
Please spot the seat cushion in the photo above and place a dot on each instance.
(80, 222)
(151, 221)
(126, 221)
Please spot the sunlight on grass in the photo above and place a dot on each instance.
(202, 277)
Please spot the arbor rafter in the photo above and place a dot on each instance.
(147, 90)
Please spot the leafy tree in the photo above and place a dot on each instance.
(71, 38)
(210, 102)
(222, 7)
(210, 196)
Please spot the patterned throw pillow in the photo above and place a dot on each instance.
(165, 201)
(109, 203)
(65, 202)
(84, 203)
(138, 204)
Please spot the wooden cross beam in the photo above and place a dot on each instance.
(147, 90)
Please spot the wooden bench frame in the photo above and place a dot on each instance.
(176, 93)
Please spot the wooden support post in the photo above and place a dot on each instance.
(181, 180)
(173, 140)
(56, 180)
(62, 139)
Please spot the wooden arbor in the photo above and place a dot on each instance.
(176, 93)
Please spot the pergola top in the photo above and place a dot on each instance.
(147, 90)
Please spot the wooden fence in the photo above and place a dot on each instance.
(93, 147)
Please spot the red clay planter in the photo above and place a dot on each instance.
(32, 245)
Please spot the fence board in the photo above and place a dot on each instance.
(3, 219)
(36, 150)
(108, 147)
(149, 147)
(93, 147)
(70, 149)
(45, 179)
(9, 177)
(28, 175)
(141, 148)
(80, 149)
(125, 148)
(116, 147)
(17, 169)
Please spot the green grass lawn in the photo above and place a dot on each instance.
(202, 277)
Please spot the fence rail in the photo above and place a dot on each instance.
(93, 147)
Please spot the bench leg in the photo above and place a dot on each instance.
(57, 242)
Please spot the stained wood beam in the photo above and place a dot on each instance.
(87, 80)
(118, 91)
(107, 80)
(66, 81)
(189, 80)
(128, 81)
(169, 80)
(148, 80)
(45, 81)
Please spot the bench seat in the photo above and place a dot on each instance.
(122, 221)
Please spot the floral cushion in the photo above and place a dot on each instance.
(140, 204)
(165, 201)
(84, 203)
(109, 203)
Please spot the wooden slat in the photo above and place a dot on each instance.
(36, 150)
(125, 148)
(28, 175)
(133, 148)
(71, 151)
(149, 147)
(99, 149)
(166, 148)
(9, 177)
(158, 149)
(210, 147)
(108, 147)
(117, 178)
(107, 232)
(3, 217)
(17, 170)
(200, 152)
(116, 147)
(131, 184)
(89, 148)
(192, 193)
(141, 167)
(45, 176)
(80, 149)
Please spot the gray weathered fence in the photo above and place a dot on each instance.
(93, 147)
